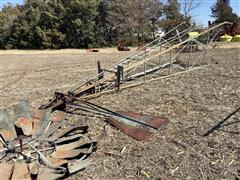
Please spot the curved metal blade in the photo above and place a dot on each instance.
(21, 171)
(138, 132)
(6, 171)
(22, 109)
(7, 129)
(23, 117)
(44, 122)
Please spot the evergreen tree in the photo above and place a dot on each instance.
(172, 10)
(79, 23)
(49, 25)
(7, 16)
(223, 12)
(36, 27)
(54, 24)
(104, 29)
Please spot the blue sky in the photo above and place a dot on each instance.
(201, 14)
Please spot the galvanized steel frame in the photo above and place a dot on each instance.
(149, 62)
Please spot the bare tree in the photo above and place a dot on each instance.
(189, 5)
(134, 16)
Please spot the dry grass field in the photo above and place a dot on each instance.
(193, 102)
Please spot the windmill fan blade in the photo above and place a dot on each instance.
(78, 166)
(6, 171)
(56, 123)
(22, 109)
(21, 171)
(23, 118)
(7, 129)
(45, 173)
(65, 154)
(76, 144)
(68, 138)
(33, 168)
(43, 123)
(57, 162)
(136, 131)
(59, 145)
(37, 116)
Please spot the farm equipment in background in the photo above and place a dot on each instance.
(120, 47)
(46, 144)
(231, 30)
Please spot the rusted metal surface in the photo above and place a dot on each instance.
(21, 172)
(33, 168)
(6, 170)
(68, 138)
(22, 109)
(43, 122)
(57, 162)
(69, 130)
(25, 124)
(36, 118)
(7, 129)
(73, 152)
(73, 145)
(68, 153)
(48, 174)
(139, 132)
(55, 124)
(136, 125)
(78, 165)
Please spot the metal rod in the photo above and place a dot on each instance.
(87, 106)
(190, 53)
(159, 58)
(170, 54)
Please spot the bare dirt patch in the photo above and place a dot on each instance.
(193, 102)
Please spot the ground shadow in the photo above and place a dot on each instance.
(220, 124)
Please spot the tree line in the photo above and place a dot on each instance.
(55, 24)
